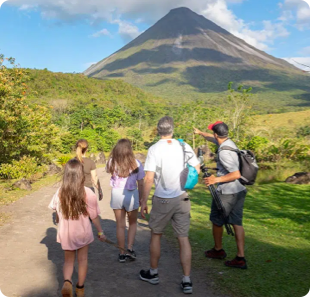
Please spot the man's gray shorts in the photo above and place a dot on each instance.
(177, 210)
(233, 204)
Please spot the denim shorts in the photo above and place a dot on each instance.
(233, 204)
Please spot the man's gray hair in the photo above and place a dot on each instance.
(165, 126)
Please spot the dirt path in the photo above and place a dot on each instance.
(31, 260)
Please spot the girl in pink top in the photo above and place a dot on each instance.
(75, 205)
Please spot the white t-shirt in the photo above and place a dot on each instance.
(166, 159)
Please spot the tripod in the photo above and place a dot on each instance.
(215, 195)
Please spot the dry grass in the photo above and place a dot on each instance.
(289, 120)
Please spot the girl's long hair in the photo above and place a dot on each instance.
(81, 147)
(72, 193)
(122, 160)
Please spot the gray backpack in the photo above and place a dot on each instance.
(247, 165)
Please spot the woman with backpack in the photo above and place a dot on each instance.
(89, 166)
(75, 205)
(127, 183)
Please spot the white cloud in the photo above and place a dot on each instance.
(261, 39)
(297, 10)
(103, 32)
(118, 11)
(305, 51)
(300, 62)
(127, 30)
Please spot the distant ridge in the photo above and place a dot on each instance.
(186, 56)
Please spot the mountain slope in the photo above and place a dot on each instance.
(184, 55)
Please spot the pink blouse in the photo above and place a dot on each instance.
(75, 234)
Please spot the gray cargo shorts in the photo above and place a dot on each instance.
(175, 210)
(233, 204)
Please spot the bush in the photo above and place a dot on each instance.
(289, 149)
(303, 131)
(63, 160)
(24, 168)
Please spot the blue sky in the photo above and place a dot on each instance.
(68, 35)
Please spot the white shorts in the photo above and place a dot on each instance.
(122, 198)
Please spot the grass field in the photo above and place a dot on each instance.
(289, 120)
(277, 224)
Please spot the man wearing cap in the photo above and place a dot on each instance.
(231, 192)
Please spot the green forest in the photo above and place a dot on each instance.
(43, 114)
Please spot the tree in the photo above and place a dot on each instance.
(135, 135)
(25, 129)
(238, 110)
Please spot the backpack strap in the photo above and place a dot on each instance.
(228, 148)
(182, 143)
(183, 147)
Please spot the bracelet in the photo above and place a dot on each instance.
(100, 233)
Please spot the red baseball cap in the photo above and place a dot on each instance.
(211, 126)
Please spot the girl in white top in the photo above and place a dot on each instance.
(127, 183)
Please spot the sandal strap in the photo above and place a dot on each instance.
(66, 280)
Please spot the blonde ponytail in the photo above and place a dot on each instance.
(81, 147)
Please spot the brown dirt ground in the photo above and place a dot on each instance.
(31, 260)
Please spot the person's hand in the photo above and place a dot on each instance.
(55, 218)
(197, 131)
(144, 209)
(102, 238)
(211, 180)
(100, 195)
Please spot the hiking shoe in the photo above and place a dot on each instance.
(235, 263)
(121, 258)
(66, 290)
(187, 287)
(146, 276)
(214, 254)
(131, 255)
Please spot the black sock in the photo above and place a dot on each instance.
(240, 258)
(79, 287)
(66, 280)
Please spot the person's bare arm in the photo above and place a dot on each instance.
(207, 136)
(198, 168)
(222, 179)
(140, 189)
(96, 183)
(148, 183)
(94, 178)
(97, 224)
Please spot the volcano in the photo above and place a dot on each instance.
(186, 56)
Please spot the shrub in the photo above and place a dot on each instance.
(26, 167)
(63, 160)
(287, 149)
(303, 131)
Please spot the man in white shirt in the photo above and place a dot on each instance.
(164, 164)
